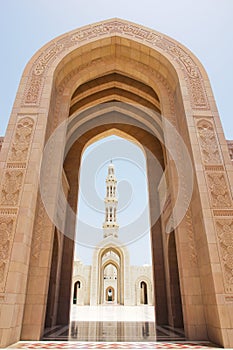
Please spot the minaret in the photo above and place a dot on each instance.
(110, 225)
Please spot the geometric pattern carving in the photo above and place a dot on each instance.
(193, 76)
(11, 187)
(22, 139)
(225, 242)
(219, 191)
(214, 168)
(208, 143)
(6, 230)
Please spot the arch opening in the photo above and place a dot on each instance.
(144, 296)
(152, 149)
(76, 288)
(169, 98)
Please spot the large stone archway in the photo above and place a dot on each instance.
(115, 61)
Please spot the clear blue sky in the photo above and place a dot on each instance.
(204, 26)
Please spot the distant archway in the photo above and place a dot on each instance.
(77, 286)
(143, 293)
(115, 261)
(110, 294)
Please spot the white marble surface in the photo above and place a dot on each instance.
(112, 312)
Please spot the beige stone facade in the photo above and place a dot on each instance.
(119, 76)
(83, 285)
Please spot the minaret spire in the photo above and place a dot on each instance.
(110, 225)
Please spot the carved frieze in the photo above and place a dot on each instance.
(47, 56)
(191, 70)
(208, 142)
(22, 138)
(198, 95)
(225, 242)
(219, 191)
(36, 81)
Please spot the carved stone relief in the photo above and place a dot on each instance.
(219, 191)
(11, 187)
(191, 70)
(39, 227)
(6, 232)
(34, 89)
(225, 243)
(22, 138)
(208, 142)
(197, 91)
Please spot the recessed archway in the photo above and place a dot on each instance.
(110, 294)
(144, 295)
(76, 288)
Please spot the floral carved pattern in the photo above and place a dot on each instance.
(225, 240)
(6, 228)
(219, 191)
(11, 187)
(22, 139)
(156, 40)
(208, 143)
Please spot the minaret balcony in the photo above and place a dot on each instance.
(110, 199)
(110, 224)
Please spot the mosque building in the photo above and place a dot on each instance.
(111, 279)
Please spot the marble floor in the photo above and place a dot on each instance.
(113, 312)
(113, 323)
(112, 327)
